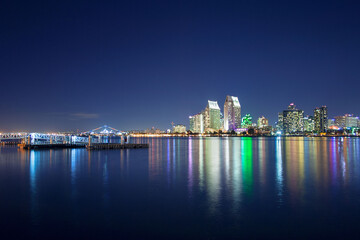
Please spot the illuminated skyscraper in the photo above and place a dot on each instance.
(212, 116)
(280, 122)
(320, 119)
(309, 124)
(232, 113)
(197, 123)
(293, 120)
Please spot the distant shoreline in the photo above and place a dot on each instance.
(196, 136)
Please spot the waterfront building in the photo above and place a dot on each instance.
(158, 131)
(262, 122)
(212, 116)
(331, 122)
(221, 121)
(232, 113)
(347, 121)
(320, 119)
(351, 121)
(246, 121)
(309, 125)
(280, 122)
(197, 123)
(340, 121)
(293, 120)
(179, 128)
(153, 131)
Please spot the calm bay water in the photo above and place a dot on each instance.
(184, 188)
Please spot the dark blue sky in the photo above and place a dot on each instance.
(68, 65)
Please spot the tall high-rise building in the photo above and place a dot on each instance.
(212, 116)
(262, 122)
(308, 123)
(221, 121)
(280, 122)
(320, 119)
(293, 120)
(197, 123)
(232, 113)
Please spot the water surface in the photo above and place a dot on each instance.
(184, 188)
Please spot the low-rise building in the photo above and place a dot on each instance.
(179, 128)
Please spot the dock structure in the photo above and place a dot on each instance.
(93, 146)
(99, 138)
(99, 146)
(50, 146)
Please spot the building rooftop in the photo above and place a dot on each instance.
(213, 105)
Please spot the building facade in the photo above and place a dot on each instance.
(262, 122)
(347, 121)
(280, 122)
(197, 123)
(246, 121)
(211, 114)
(320, 119)
(331, 122)
(309, 125)
(232, 113)
(351, 121)
(179, 128)
(340, 121)
(293, 120)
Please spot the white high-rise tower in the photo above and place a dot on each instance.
(212, 116)
(232, 113)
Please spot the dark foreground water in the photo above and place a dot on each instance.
(184, 188)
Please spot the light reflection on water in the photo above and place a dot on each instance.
(211, 182)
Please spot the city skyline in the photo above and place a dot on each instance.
(214, 104)
(75, 65)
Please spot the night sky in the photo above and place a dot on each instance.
(67, 65)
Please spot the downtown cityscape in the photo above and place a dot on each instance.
(291, 122)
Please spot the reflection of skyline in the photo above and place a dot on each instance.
(279, 169)
(201, 164)
(208, 176)
(294, 155)
(235, 166)
(247, 164)
(236, 177)
(212, 171)
(190, 165)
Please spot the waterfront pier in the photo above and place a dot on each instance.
(103, 137)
